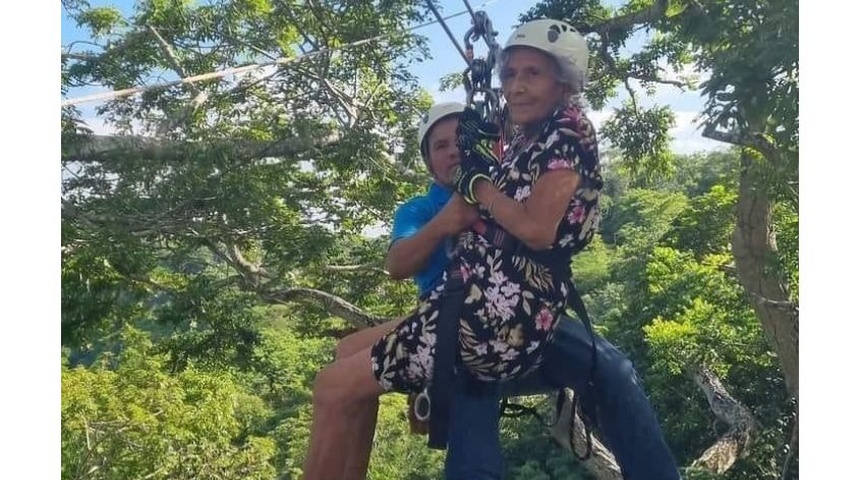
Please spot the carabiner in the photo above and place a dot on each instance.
(422, 406)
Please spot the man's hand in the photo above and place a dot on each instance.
(457, 215)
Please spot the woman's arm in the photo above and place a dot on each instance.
(534, 221)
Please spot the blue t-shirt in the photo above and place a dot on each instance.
(411, 217)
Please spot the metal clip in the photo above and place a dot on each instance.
(422, 406)
(478, 76)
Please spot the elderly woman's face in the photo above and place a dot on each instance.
(530, 85)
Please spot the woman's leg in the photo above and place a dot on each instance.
(363, 425)
(340, 389)
(363, 339)
(400, 360)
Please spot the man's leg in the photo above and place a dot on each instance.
(625, 417)
(474, 449)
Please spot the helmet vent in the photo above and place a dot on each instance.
(553, 33)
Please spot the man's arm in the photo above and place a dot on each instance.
(410, 252)
(409, 255)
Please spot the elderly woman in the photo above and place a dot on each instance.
(542, 197)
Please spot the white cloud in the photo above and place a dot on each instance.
(686, 104)
(684, 121)
(376, 230)
(686, 134)
(455, 95)
(598, 117)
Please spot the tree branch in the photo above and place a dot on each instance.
(366, 267)
(784, 305)
(70, 210)
(200, 96)
(84, 57)
(612, 65)
(332, 303)
(305, 36)
(338, 94)
(756, 141)
(720, 456)
(601, 463)
(251, 274)
(676, 83)
(646, 15)
(171, 57)
(95, 147)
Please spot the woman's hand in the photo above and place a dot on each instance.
(476, 140)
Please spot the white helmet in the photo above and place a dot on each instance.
(558, 39)
(435, 114)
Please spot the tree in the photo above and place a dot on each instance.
(248, 182)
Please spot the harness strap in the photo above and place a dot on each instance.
(447, 338)
(587, 399)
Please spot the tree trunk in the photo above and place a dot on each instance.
(754, 247)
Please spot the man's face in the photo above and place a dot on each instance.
(442, 150)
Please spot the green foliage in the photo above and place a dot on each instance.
(640, 219)
(705, 226)
(591, 267)
(451, 81)
(397, 453)
(642, 134)
(136, 420)
(698, 173)
(101, 20)
(787, 263)
(531, 453)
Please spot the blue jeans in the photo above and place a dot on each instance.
(474, 448)
(625, 417)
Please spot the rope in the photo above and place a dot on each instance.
(441, 21)
(235, 70)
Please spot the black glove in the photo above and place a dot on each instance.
(476, 139)
(465, 177)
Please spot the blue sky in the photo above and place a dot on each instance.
(504, 15)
